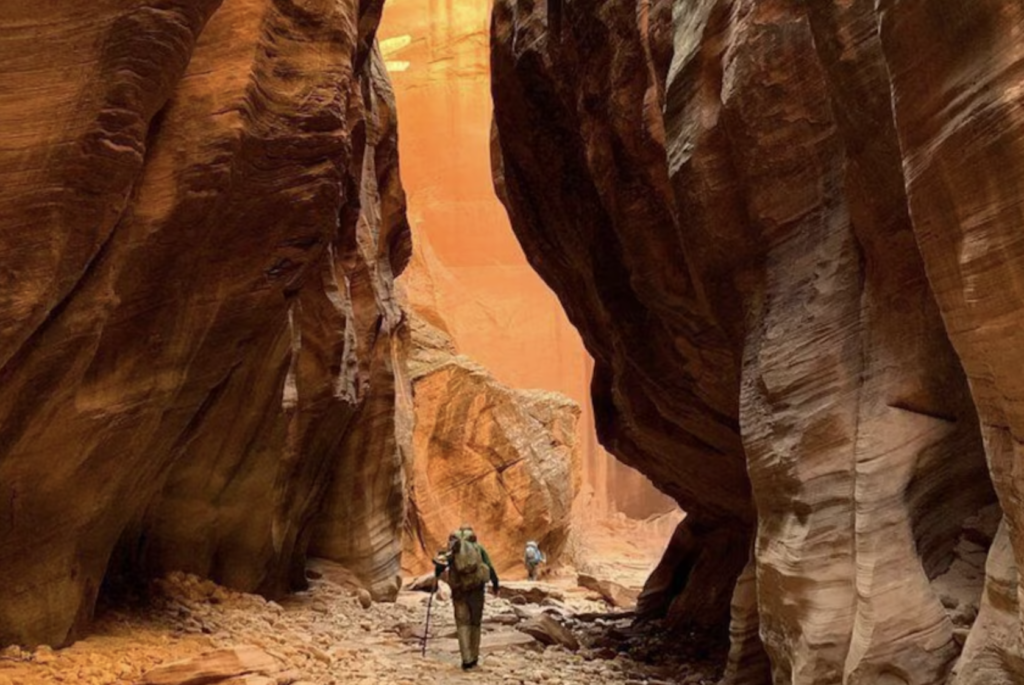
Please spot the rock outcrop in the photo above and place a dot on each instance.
(202, 220)
(504, 460)
(785, 231)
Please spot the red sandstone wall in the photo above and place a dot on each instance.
(200, 225)
(786, 230)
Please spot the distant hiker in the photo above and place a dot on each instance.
(469, 568)
(533, 558)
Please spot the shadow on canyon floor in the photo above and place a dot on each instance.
(334, 633)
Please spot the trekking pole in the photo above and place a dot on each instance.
(426, 628)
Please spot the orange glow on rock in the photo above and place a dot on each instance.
(468, 268)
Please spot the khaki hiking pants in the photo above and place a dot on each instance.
(469, 614)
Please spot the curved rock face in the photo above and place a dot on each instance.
(957, 102)
(590, 199)
(202, 222)
(504, 460)
(729, 198)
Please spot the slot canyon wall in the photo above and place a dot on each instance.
(789, 234)
(201, 224)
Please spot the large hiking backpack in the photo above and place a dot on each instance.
(533, 555)
(467, 570)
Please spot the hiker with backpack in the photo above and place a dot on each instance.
(469, 569)
(533, 558)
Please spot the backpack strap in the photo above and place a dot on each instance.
(487, 560)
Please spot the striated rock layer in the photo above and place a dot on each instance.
(580, 186)
(957, 99)
(502, 459)
(201, 223)
(770, 220)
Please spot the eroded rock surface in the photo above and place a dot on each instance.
(750, 210)
(957, 102)
(502, 459)
(202, 221)
(590, 199)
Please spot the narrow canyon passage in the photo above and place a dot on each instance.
(459, 388)
(291, 291)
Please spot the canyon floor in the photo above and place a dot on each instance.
(334, 634)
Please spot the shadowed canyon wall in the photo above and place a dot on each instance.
(495, 308)
(959, 110)
(201, 225)
(787, 233)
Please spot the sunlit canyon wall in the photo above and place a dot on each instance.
(469, 274)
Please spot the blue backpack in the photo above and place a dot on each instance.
(533, 554)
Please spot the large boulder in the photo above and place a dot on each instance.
(202, 221)
(613, 593)
(548, 631)
(503, 460)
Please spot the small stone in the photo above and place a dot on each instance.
(386, 590)
(320, 655)
(365, 600)
(44, 655)
(12, 652)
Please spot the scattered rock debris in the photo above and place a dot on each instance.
(190, 630)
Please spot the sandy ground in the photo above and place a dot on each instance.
(326, 636)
